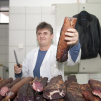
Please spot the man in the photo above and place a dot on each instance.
(41, 61)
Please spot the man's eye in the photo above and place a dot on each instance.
(45, 33)
(38, 33)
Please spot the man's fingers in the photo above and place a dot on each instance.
(71, 43)
(71, 30)
(17, 70)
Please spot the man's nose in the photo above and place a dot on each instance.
(42, 34)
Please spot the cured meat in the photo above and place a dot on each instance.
(57, 100)
(85, 87)
(55, 89)
(1, 79)
(31, 93)
(40, 84)
(89, 96)
(16, 99)
(5, 88)
(23, 92)
(44, 82)
(4, 82)
(14, 89)
(1, 97)
(71, 78)
(96, 87)
(62, 49)
(73, 92)
(3, 91)
(36, 84)
(39, 97)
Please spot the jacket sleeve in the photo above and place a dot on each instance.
(74, 55)
(99, 32)
(100, 43)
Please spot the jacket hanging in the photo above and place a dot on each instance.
(89, 30)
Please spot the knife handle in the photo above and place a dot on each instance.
(18, 65)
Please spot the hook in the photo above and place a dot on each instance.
(83, 8)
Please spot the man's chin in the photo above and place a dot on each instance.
(42, 45)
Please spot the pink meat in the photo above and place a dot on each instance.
(97, 93)
(37, 86)
(3, 91)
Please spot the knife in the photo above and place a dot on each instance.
(16, 59)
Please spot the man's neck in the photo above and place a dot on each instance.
(44, 48)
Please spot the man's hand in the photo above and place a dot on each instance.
(17, 70)
(71, 36)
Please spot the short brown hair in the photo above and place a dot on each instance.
(44, 25)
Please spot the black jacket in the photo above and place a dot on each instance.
(89, 30)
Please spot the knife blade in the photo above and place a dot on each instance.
(16, 59)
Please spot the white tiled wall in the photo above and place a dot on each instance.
(22, 30)
(4, 48)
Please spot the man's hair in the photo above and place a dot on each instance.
(44, 25)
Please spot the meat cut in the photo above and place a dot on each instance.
(55, 89)
(62, 49)
(96, 87)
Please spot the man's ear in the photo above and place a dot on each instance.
(52, 36)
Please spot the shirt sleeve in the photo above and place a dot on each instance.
(18, 75)
(74, 51)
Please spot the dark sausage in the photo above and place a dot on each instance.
(4, 82)
(5, 88)
(14, 89)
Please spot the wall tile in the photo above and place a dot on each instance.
(95, 75)
(50, 18)
(82, 78)
(31, 9)
(93, 1)
(90, 65)
(6, 50)
(3, 41)
(17, 21)
(3, 33)
(31, 39)
(1, 72)
(11, 70)
(3, 58)
(5, 64)
(28, 49)
(46, 9)
(97, 79)
(32, 20)
(3, 50)
(4, 5)
(20, 9)
(3, 26)
(16, 37)
(20, 54)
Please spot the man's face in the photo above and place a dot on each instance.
(44, 37)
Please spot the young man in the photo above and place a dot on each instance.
(41, 61)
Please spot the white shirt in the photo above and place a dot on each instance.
(49, 67)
